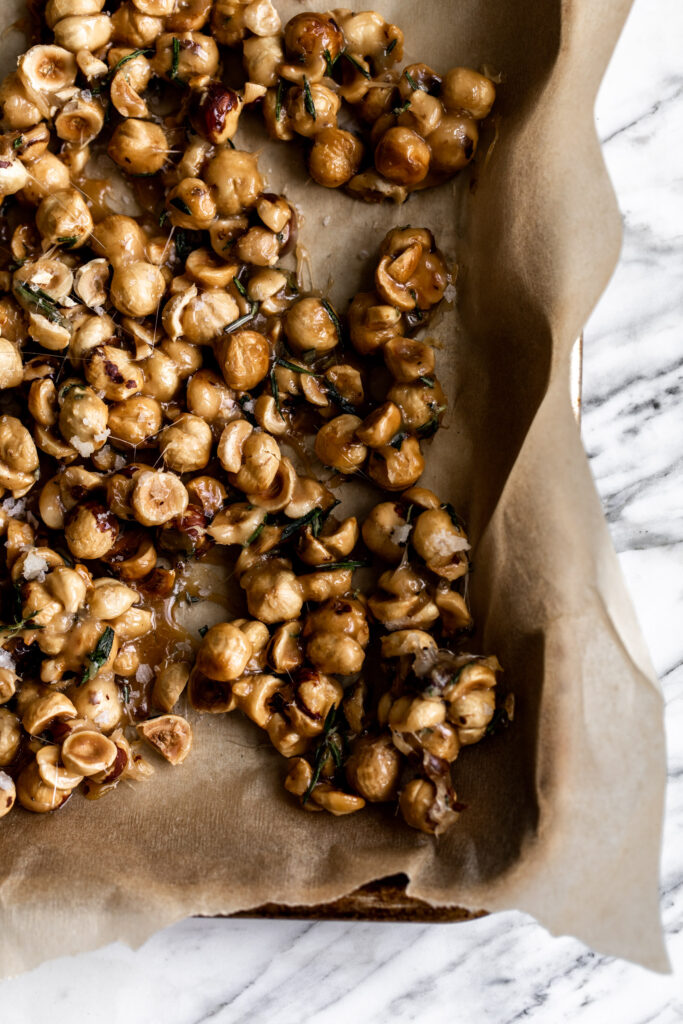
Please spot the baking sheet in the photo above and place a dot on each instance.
(563, 818)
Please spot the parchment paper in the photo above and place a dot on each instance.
(565, 808)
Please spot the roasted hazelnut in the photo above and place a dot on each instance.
(109, 598)
(207, 493)
(186, 444)
(161, 377)
(273, 593)
(79, 121)
(236, 524)
(380, 426)
(8, 793)
(254, 695)
(441, 543)
(157, 498)
(314, 695)
(205, 316)
(467, 90)
(170, 735)
(373, 768)
(243, 357)
(35, 795)
(397, 468)
(83, 32)
(262, 57)
(87, 752)
(402, 156)
(137, 289)
(216, 113)
(336, 444)
(44, 711)
(453, 143)
(184, 55)
(191, 204)
(90, 531)
(386, 532)
(416, 801)
(308, 35)
(169, 683)
(64, 219)
(312, 109)
(139, 147)
(82, 418)
(11, 367)
(111, 371)
(423, 113)
(224, 652)
(10, 736)
(120, 239)
(235, 180)
(309, 327)
(335, 157)
(135, 421)
(372, 324)
(18, 456)
(209, 398)
(408, 360)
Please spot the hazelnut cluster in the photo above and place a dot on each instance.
(167, 388)
(413, 127)
(348, 742)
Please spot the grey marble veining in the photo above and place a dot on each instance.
(504, 968)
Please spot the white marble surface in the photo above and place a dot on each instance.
(504, 968)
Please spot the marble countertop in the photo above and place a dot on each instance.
(502, 968)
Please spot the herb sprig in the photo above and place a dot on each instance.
(99, 656)
(331, 744)
(44, 303)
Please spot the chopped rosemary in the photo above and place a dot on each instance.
(292, 366)
(330, 744)
(357, 65)
(308, 100)
(176, 57)
(163, 217)
(18, 142)
(125, 693)
(411, 81)
(333, 317)
(275, 389)
(98, 657)
(427, 381)
(390, 47)
(181, 205)
(398, 439)
(256, 534)
(315, 517)
(203, 630)
(333, 566)
(16, 627)
(130, 56)
(240, 287)
(429, 428)
(329, 61)
(43, 302)
(236, 324)
(339, 399)
(397, 111)
(67, 240)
